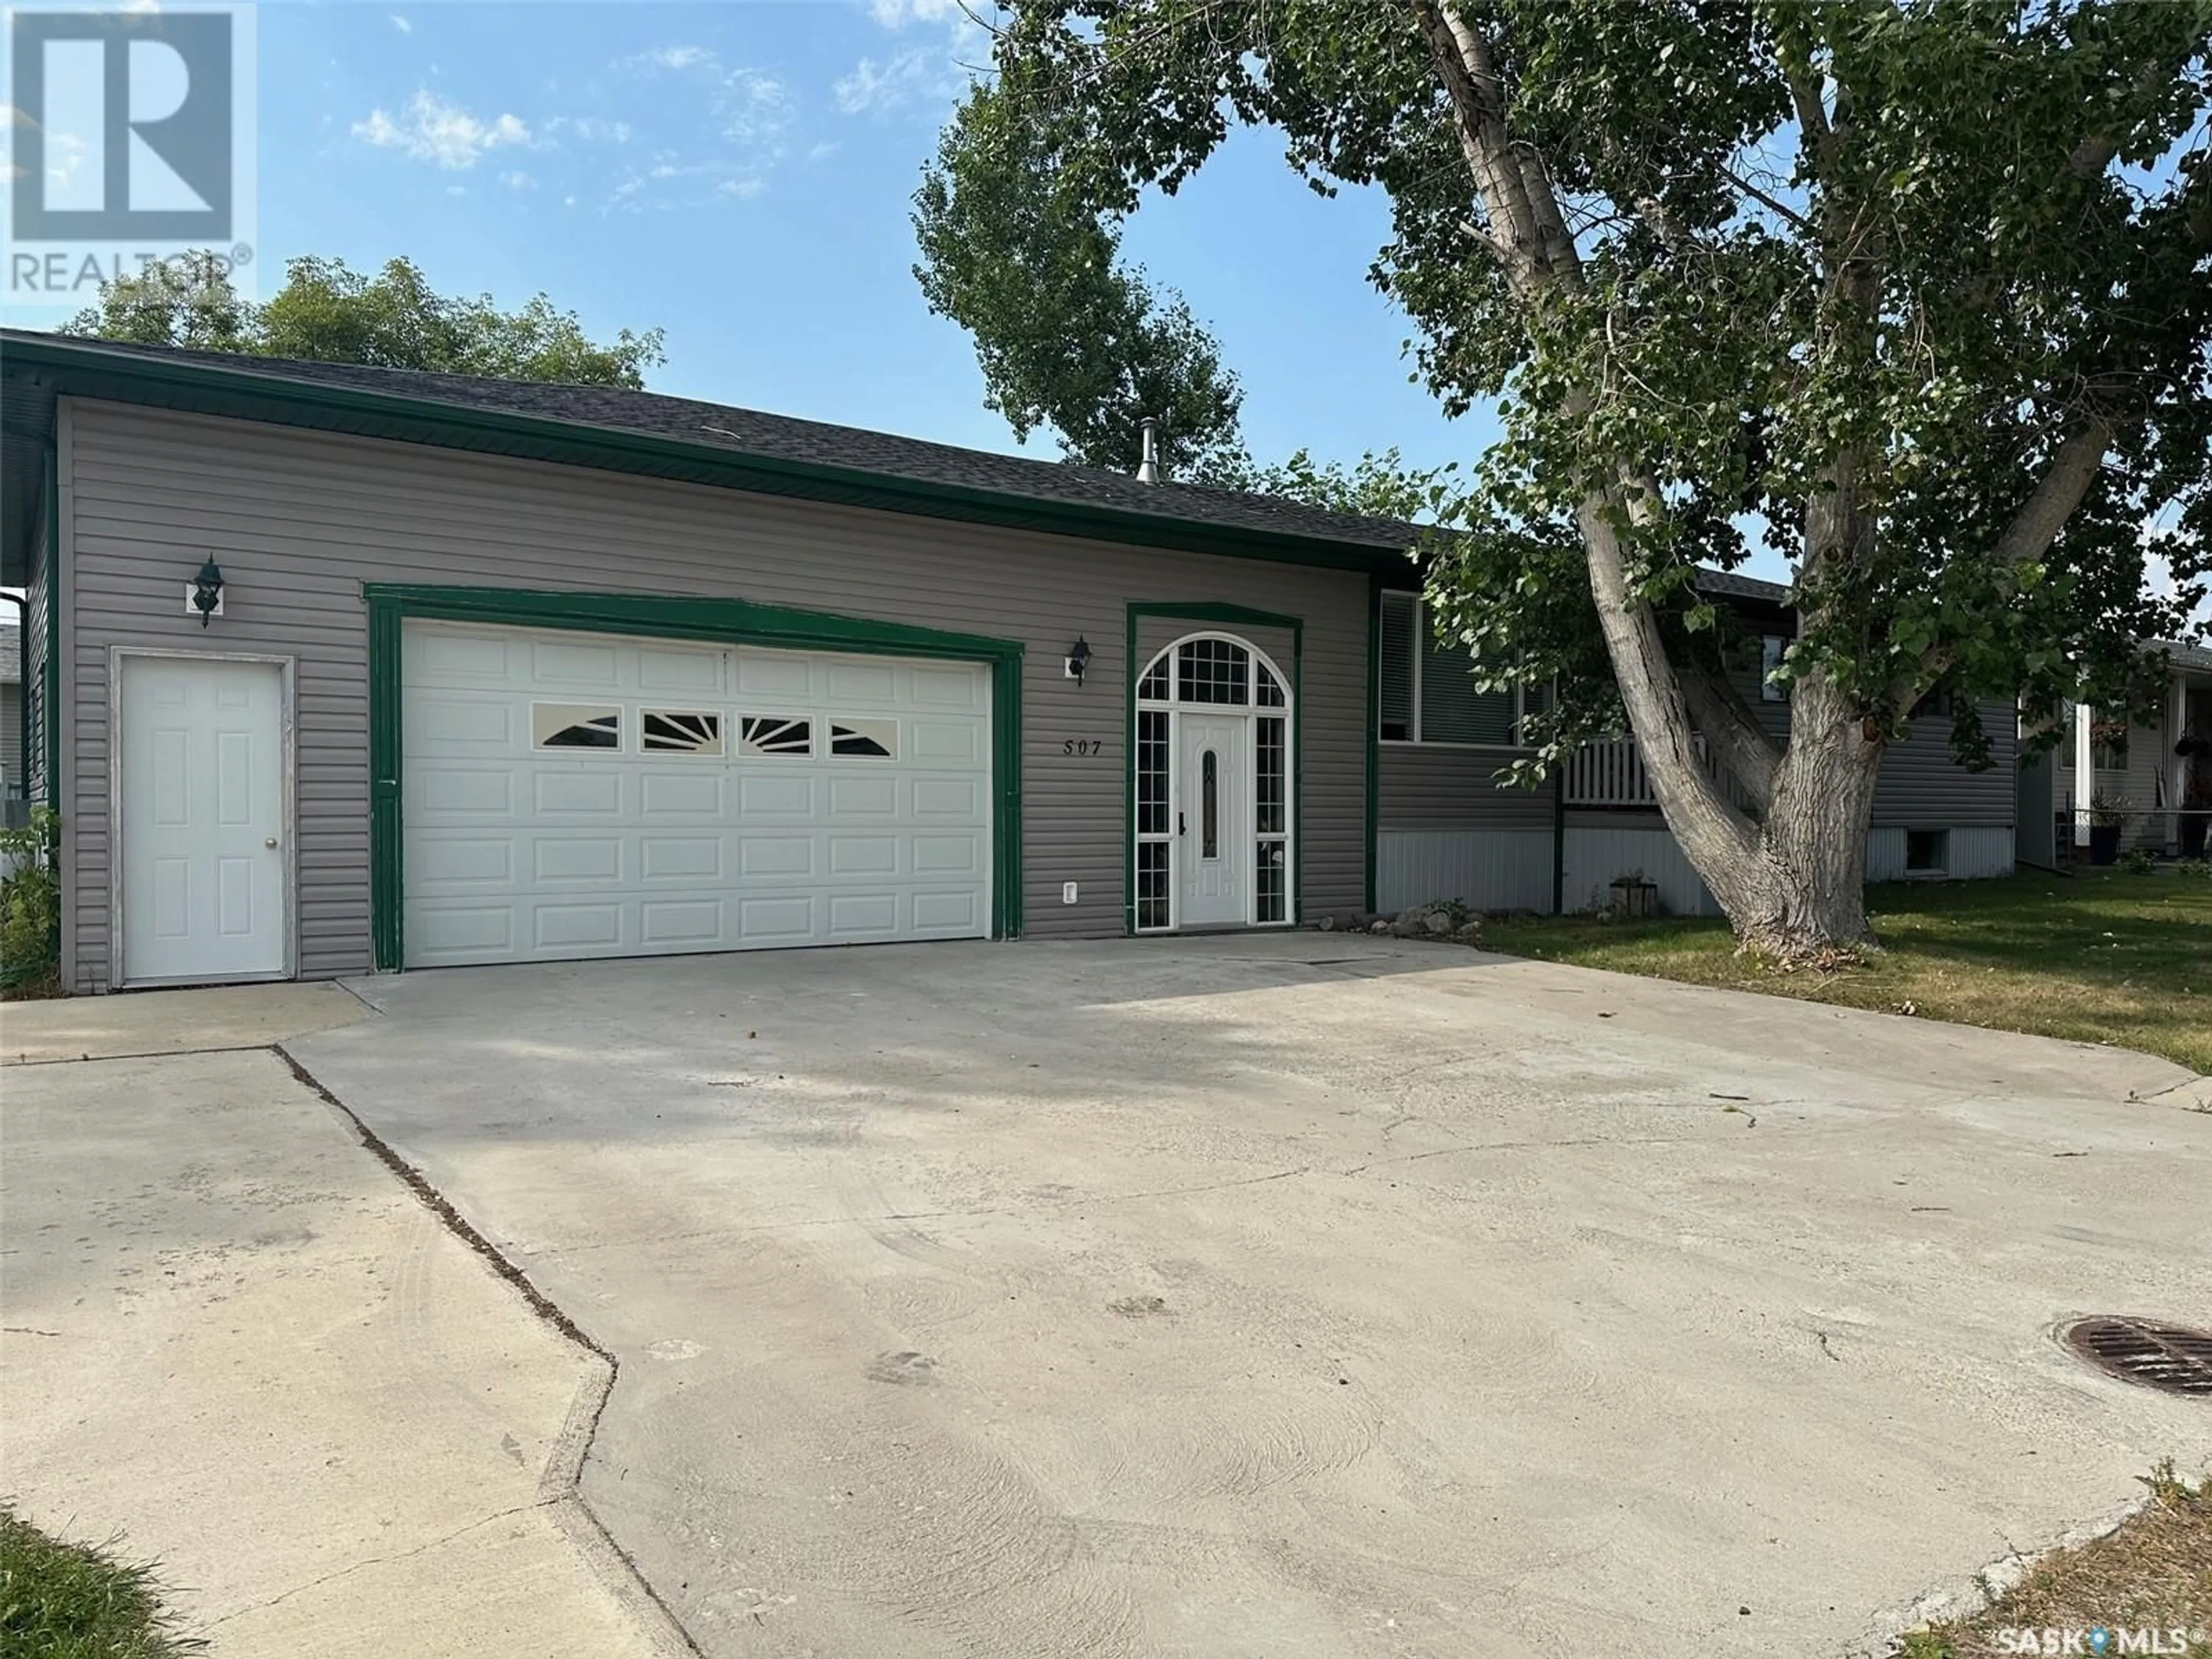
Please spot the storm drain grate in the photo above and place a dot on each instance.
(2170, 1357)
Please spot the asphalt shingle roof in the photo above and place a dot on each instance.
(756, 433)
(786, 438)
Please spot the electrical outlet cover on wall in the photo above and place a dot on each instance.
(1067, 892)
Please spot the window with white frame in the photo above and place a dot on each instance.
(1428, 693)
(2108, 740)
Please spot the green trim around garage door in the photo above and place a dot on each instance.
(1222, 615)
(723, 621)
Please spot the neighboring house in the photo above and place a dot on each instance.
(503, 672)
(2151, 783)
(11, 711)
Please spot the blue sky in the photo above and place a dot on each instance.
(739, 175)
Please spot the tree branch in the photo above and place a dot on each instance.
(1515, 264)
(1812, 114)
(2073, 469)
(1691, 798)
(1765, 200)
(2094, 153)
(1479, 118)
(1748, 748)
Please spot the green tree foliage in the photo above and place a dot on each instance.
(1918, 294)
(1378, 485)
(1066, 336)
(30, 899)
(326, 312)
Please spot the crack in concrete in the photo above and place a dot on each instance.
(382, 1560)
(145, 1054)
(564, 1470)
(1515, 1146)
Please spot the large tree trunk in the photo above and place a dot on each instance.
(1802, 894)
(1790, 875)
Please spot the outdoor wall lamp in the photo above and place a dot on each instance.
(1078, 658)
(204, 593)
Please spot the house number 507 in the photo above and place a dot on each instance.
(1082, 746)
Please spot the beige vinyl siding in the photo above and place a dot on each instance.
(300, 520)
(1441, 787)
(1922, 787)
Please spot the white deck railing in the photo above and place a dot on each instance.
(1612, 774)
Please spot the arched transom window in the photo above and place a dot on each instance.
(1214, 675)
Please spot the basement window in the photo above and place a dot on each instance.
(1927, 852)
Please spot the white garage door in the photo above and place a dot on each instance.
(570, 794)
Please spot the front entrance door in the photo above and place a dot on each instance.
(203, 862)
(1213, 819)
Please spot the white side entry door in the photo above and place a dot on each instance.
(204, 865)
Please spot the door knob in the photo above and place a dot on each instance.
(271, 842)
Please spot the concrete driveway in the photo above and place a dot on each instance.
(234, 1344)
(1303, 1294)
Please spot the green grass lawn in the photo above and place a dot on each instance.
(65, 1601)
(2099, 957)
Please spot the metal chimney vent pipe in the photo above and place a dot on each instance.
(1148, 471)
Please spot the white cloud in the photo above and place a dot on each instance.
(568, 201)
(429, 128)
(66, 154)
(670, 58)
(932, 73)
(457, 190)
(823, 151)
(919, 72)
(142, 8)
(897, 14)
(755, 109)
(589, 128)
(518, 179)
(402, 24)
(671, 182)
